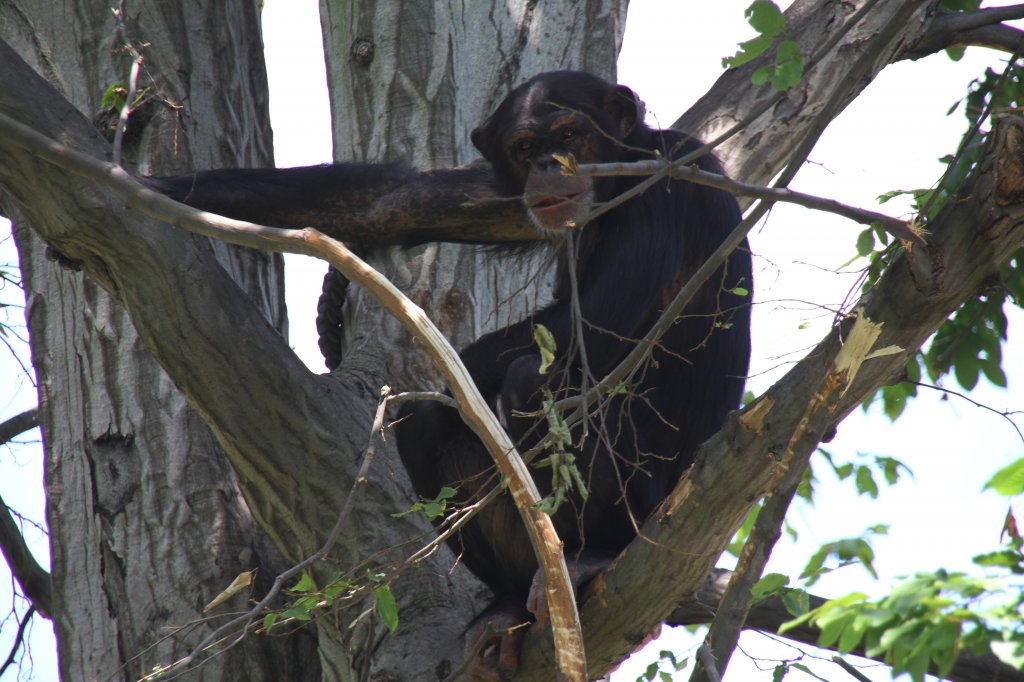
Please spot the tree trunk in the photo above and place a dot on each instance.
(147, 520)
(406, 85)
(295, 440)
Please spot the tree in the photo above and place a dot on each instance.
(294, 441)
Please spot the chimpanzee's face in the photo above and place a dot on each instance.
(546, 127)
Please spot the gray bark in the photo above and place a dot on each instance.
(147, 521)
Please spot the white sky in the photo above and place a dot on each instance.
(889, 138)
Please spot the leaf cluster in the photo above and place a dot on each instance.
(969, 344)
(432, 509)
(927, 620)
(787, 68)
(663, 668)
(308, 600)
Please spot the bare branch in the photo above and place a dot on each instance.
(900, 229)
(33, 578)
(19, 639)
(18, 424)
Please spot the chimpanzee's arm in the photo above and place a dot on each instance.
(368, 204)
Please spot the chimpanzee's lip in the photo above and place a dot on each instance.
(553, 201)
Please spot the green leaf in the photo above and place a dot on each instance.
(994, 373)
(866, 483)
(1009, 480)
(545, 341)
(955, 53)
(832, 624)
(1005, 558)
(796, 622)
(852, 635)
(966, 372)
(387, 608)
(865, 243)
(305, 584)
(298, 613)
(749, 51)
(807, 671)
(765, 18)
(789, 65)
(769, 584)
(336, 587)
(269, 620)
(891, 467)
(797, 602)
(762, 75)
(843, 471)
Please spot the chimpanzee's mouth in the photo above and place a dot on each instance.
(553, 201)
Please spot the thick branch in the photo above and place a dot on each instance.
(981, 28)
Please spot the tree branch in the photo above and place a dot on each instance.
(19, 638)
(33, 578)
(981, 28)
(18, 424)
(896, 227)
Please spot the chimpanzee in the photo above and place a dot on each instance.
(629, 263)
(622, 267)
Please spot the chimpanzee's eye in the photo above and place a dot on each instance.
(523, 145)
(569, 132)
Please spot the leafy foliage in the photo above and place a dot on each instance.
(846, 552)
(309, 601)
(432, 509)
(863, 475)
(929, 619)
(787, 68)
(565, 475)
(969, 344)
(663, 668)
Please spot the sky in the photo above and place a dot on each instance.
(889, 138)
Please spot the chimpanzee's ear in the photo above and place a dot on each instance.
(625, 107)
(483, 138)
